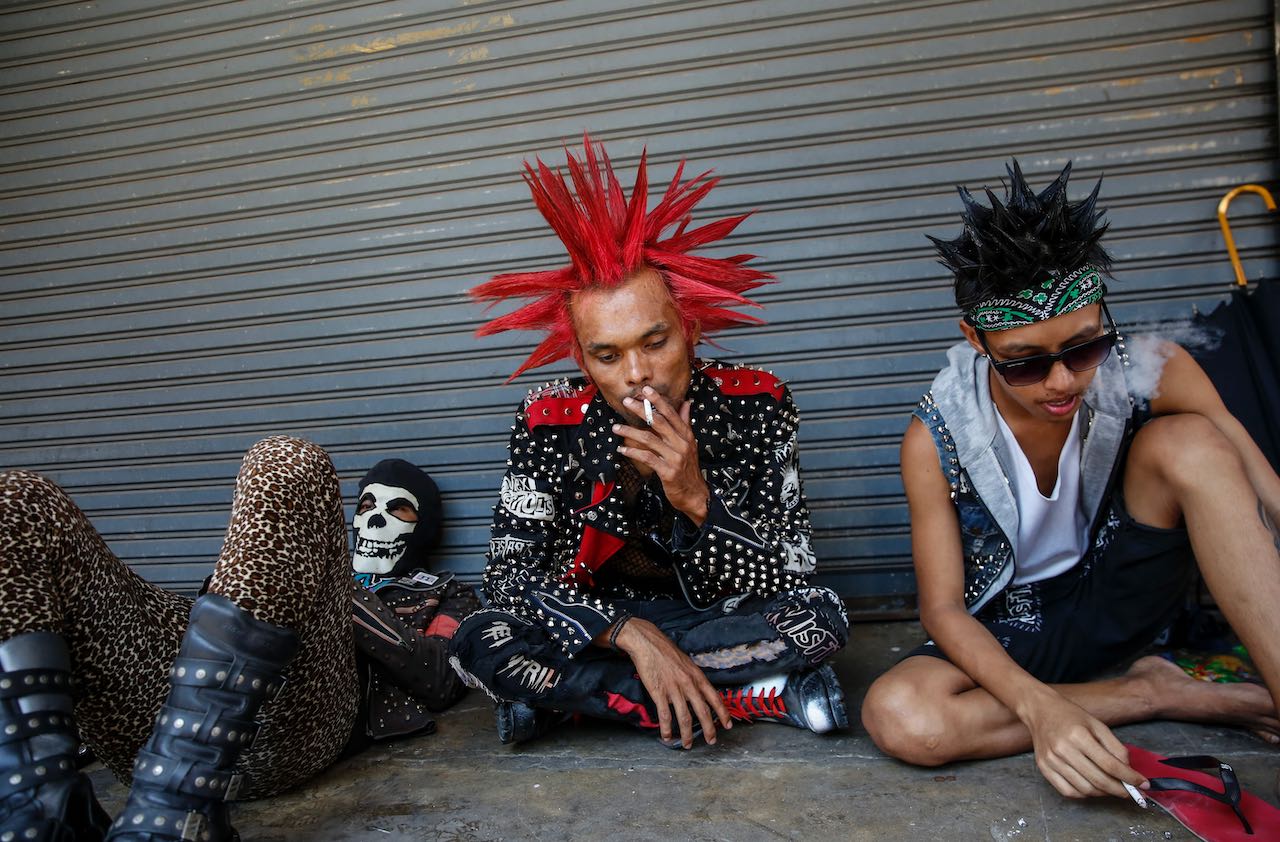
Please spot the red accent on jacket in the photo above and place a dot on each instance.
(560, 410)
(745, 381)
(597, 546)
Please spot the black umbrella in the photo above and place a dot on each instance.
(1245, 364)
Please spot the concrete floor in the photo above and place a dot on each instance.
(766, 782)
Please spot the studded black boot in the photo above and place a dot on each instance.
(811, 699)
(229, 664)
(42, 795)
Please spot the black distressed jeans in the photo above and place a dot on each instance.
(735, 642)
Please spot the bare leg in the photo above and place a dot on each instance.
(926, 711)
(1181, 468)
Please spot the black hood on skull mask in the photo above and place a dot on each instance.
(384, 544)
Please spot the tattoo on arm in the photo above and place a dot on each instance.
(1269, 524)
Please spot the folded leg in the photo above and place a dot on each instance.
(284, 562)
(735, 643)
(57, 575)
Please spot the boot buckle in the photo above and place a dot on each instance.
(274, 688)
(248, 737)
(192, 826)
(233, 787)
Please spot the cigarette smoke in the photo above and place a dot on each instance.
(1149, 349)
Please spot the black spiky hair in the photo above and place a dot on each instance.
(1010, 245)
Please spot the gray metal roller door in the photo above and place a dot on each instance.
(225, 220)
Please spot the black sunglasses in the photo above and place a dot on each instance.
(1029, 370)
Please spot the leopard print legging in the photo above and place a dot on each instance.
(284, 561)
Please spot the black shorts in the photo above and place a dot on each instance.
(1101, 612)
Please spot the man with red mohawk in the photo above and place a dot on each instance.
(651, 548)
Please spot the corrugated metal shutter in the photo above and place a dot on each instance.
(224, 220)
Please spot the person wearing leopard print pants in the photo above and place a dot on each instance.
(202, 674)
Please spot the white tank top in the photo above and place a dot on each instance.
(1053, 531)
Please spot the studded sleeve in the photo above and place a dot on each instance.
(415, 662)
(757, 536)
(531, 525)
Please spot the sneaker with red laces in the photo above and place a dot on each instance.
(809, 699)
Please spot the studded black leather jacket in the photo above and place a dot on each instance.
(402, 628)
(562, 514)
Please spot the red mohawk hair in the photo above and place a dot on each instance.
(609, 237)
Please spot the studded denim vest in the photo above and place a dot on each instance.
(959, 414)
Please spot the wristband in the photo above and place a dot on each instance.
(617, 627)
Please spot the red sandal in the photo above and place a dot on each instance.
(1212, 806)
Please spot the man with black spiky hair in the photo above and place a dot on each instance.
(1057, 517)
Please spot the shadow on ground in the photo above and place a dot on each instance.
(762, 782)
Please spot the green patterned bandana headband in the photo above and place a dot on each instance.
(1053, 296)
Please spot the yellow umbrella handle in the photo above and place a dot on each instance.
(1226, 228)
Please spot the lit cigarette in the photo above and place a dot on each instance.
(1135, 794)
(648, 412)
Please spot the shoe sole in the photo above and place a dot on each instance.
(835, 699)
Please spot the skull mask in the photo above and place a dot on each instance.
(381, 536)
(386, 543)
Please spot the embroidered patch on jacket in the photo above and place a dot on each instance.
(521, 497)
(790, 493)
(786, 452)
(800, 557)
(505, 545)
